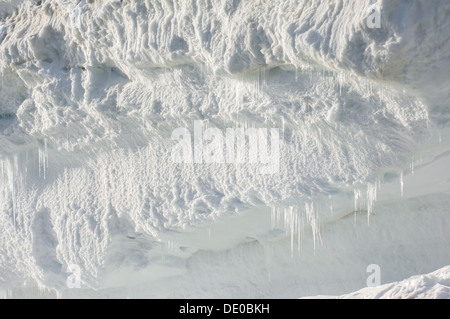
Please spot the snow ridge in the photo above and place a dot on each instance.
(91, 91)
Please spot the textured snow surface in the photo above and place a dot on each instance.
(91, 91)
(435, 285)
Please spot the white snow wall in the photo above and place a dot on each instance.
(90, 92)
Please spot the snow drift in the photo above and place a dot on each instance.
(91, 91)
(431, 286)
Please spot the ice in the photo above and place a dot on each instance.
(371, 198)
(313, 220)
(435, 285)
(9, 176)
(43, 160)
(356, 202)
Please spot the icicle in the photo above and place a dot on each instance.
(268, 259)
(170, 246)
(357, 196)
(272, 218)
(15, 174)
(9, 171)
(256, 97)
(275, 217)
(312, 220)
(292, 222)
(401, 184)
(371, 198)
(340, 82)
(43, 161)
(299, 230)
(292, 227)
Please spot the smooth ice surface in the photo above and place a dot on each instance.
(91, 91)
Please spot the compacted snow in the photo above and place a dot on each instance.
(435, 285)
(93, 204)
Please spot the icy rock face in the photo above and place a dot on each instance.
(90, 92)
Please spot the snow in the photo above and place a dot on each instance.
(91, 93)
(435, 285)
